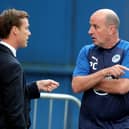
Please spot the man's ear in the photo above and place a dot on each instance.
(14, 30)
(112, 29)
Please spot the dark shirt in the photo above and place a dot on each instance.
(100, 110)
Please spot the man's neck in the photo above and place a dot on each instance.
(10, 42)
(111, 44)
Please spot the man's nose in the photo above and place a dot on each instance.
(90, 31)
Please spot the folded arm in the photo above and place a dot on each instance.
(114, 86)
(97, 80)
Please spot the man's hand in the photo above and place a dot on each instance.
(47, 85)
(116, 70)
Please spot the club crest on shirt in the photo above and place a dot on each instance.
(116, 58)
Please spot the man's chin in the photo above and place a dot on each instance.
(95, 42)
(24, 46)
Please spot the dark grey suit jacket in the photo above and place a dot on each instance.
(15, 95)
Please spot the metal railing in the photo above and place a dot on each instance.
(52, 96)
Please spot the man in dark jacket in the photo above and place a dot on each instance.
(15, 94)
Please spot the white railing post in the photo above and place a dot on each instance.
(52, 96)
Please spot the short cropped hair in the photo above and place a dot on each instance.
(113, 19)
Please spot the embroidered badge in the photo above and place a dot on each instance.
(116, 58)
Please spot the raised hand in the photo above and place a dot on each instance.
(47, 85)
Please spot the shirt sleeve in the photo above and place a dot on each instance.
(82, 65)
(32, 90)
(125, 62)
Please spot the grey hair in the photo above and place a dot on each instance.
(111, 17)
